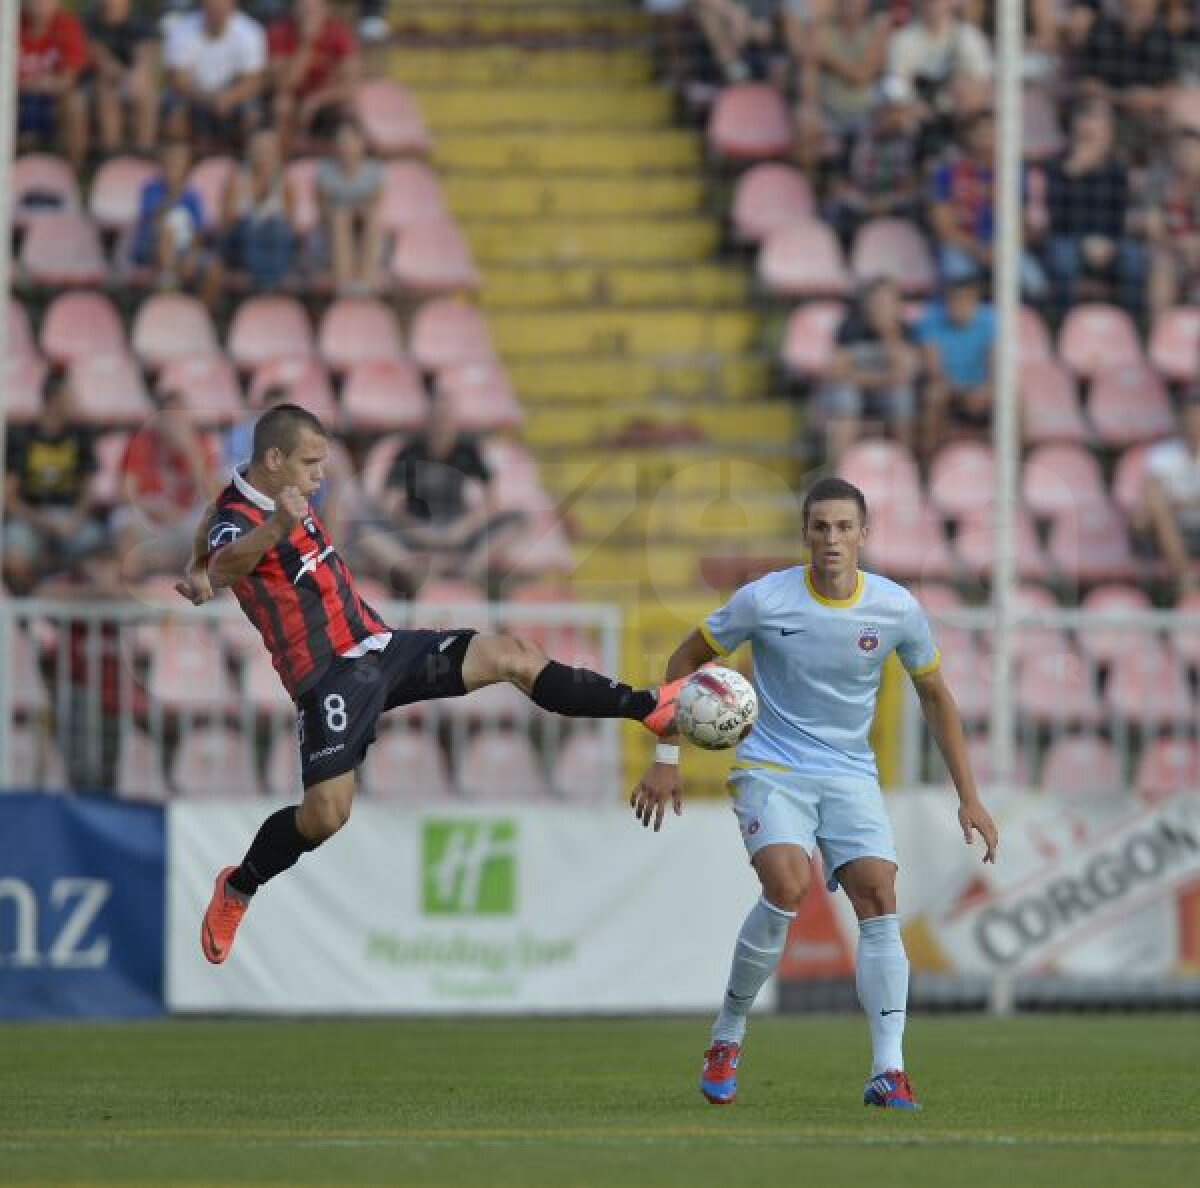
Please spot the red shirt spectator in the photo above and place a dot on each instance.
(58, 46)
(333, 45)
(161, 479)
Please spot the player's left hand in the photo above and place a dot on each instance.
(661, 783)
(196, 587)
(973, 817)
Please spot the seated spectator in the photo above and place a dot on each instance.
(257, 216)
(1168, 517)
(314, 69)
(1171, 222)
(1086, 212)
(168, 237)
(124, 74)
(216, 62)
(957, 334)
(50, 519)
(873, 373)
(167, 476)
(51, 59)
(350, 193)
(739, 34)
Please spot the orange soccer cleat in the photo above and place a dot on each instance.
(221, 919)
(661, 720)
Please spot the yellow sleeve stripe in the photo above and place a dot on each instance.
(712, 643)
(926, 669)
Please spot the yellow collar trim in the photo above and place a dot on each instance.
(837, 603)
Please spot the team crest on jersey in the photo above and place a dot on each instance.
(868, 639)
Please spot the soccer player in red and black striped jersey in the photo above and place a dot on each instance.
(340, 662)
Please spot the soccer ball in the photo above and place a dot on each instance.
(716, 708)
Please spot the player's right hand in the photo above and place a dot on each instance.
(196, 587)
(661, 783)
(290, 508)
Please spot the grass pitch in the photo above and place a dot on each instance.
(1042, 1101)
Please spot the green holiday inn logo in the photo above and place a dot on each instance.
(468, 868)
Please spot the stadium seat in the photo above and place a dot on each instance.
(1129, 478)
(1030, 640)
(36, 764)
(384, 396)
(116, 193)
(810, 337)
(172, 326)
(445, 603)
(1147, 688)
(110, 453)
(1102, 645)
(209, 178)
(482, 397)
(1041, 134)
(80, 323)
(42, 186)
(1050, 408)
(894, 248)
(586, 769)
(749, 122)
(266, 328)
(1175, 344)
(188, 672)
(804, 260)
(1095, 338)
(356, 330)
(209, 387)
(979, 753)
(1092, 545)
(500, 766)
(769, 197)
(1080, 767)
(378, 463)
(406, 766)
(214, 763)
(1128, 405)
(411, 195)
(391, 119)
(301, 177)
(109, 390)
(967, 672)
(976, 549)
(1057, 687)
(431, 258)
(262, 690)
(906, 541)
(885, 472)
(937, 598)
(1033, 339)
(281, 774)
(20, 344)
(542, 550)
(140, 771)
(1168, 766)
(1058, 479)
(962, 478)
(446, 331)
(306, 381)
(24, 377)
(1186, 640)
(62, 250)
(513, 458)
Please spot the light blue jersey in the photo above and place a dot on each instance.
(817, 666)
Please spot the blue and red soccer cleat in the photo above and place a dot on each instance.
(718, 1081)
(890, 1090)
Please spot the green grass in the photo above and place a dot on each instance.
(1042, 1101)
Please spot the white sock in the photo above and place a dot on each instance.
(882, 981)
(759, 947)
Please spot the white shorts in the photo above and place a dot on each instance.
(842, 815)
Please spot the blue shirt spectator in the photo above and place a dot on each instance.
(962, 340)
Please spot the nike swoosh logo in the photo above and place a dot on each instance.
(214, 949)
(790, 630)
(897, 1011)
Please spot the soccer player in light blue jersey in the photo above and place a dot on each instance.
(805, 776)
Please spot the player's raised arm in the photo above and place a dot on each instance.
(229, 563)
(196, 586)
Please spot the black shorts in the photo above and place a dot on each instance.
(337, 717)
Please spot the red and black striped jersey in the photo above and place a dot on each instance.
(300, 596)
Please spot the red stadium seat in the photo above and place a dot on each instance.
(885, 472)
(1041, 135)
(172, 326)
(1186, 640)
(804, 260)
(482, 397)
(1030, 640)
(975, 544)
(810, 337)
(769, 197)
(110, 453)
(378, 463)
(188, 672)
(906, 541)
(445, 603)
(384, 396)
(20, 336)
(215, 763)
(446, 331)
(1102, 645)
(1129, 404)
(42, 186)
(749, 122)
(391, 118)
(586, 769)
(1168, 766)
(542, 549)
(1092, 545)
(979, 754)
(1147, 688)
(24, 377)
(500, 766)
(116, 193)
(509, 457)
(1095, 338)
(430, 258)
(936, 598)
(962, 478)
(356, 330)
(282, 775)
(1130, 477)
(406, 766)
(301, 177)
(411, 195)
(209, 387)
(262, 689)
(140, 771)
(265, 328)
(1082, 766)
(1058, 479)
(967, 672)
(61, 250)
(109, 390)
(209, 178)
(81, 323)
(1033, 339)
(1050, 409)
(1175, 344)
(306, 381)
(894, 248)
(1058, 687)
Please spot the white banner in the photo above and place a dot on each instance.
(551, 909)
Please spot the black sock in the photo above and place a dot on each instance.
(276, 847)
(581, 693)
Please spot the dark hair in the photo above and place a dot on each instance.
(279, 427)
(834, 488)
